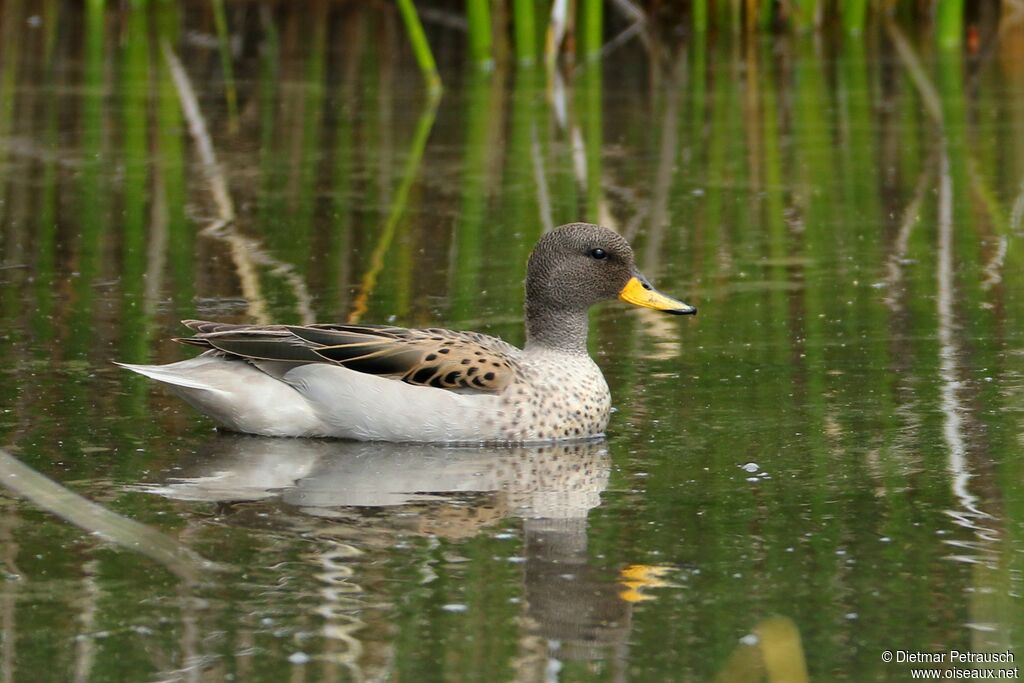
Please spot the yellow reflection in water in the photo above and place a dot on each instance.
(637, 577)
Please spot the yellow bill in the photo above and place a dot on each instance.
(638, 291)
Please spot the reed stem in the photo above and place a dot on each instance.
(593, 28)
(700, 16)
(420, 47)
(949, 23)
(478, 15)
(223, 40)
(397, 210)
(526, 31)
(854, 13)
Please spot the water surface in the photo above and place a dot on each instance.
(825, 464)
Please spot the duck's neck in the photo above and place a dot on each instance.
(563, 330)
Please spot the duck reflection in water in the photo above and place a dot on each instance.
(573, 610)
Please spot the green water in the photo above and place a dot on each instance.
(824, 465)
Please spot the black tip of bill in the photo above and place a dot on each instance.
(640, 293)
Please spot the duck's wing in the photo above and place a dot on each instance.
(445, 359)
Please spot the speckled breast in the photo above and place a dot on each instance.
(556, 396)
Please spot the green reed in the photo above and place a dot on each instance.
(303, 189)
(220, 22)
(396, 212)
(731, 16)
(593, 27)
(589, 104)
(94, 192)
(949, 22)
(169, 171)
(519, 192)
(853, 14)
(469, 229)
(478, 16)
(420, 46)
(337, 242)
(45, 260)
(525, 24)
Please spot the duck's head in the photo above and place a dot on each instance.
(580, 264)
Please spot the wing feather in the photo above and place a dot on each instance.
(445, 359)
(265, 349)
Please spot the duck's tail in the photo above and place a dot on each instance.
(237, 395)
(177, 374)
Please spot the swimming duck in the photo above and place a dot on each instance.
(385, 383)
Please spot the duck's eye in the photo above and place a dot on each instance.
(599, 254)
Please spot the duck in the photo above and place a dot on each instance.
(369, 382)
